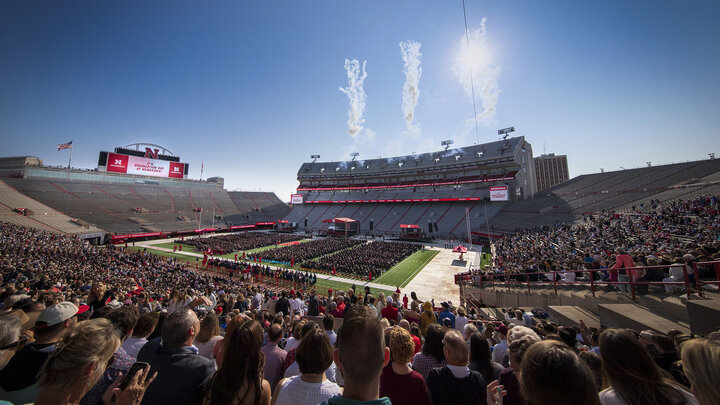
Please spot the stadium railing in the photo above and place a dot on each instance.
(691, 282)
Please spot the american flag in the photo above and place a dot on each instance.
(65, 146)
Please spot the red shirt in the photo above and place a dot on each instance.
(418, 344)
(390, 313)
(406, 389)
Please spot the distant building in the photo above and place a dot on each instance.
(551, 170)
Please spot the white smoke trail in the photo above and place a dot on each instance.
(356, 96)
(475, 60)
(410, 51)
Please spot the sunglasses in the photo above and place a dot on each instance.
(17, 345)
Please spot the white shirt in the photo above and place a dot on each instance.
(291, 343)
(500, 350)
(332, 336)
(294, 370)
(132, 345)
(298, 392)
(459, 371)
(460, 322)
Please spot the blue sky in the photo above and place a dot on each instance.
(252, 88)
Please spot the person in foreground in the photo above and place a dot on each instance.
(361, 355)
(314, 356)
(398, 382)
(183, 373)
(78, 363)
(240, 379)
(701, 362)
(552, 374)
(632, 375)
(456, 383)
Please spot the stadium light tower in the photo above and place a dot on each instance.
(649, 164)
(712, 155)
(446, 143)
(354, 155)
(314, 157)
(505, 131)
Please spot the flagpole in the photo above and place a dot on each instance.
(70, 161)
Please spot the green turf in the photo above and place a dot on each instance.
(402, 273)
(485, 259)
(321, 287)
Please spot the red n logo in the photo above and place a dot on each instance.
(151, 153)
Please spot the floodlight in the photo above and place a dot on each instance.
(446, 143)
(506, 130)
(354, 155)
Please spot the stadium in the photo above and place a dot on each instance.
(442, 272)
(463, 227)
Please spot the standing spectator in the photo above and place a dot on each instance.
(633, 376)
(314, 356)
(701, 362)
(240, 379)
(361, 355)
(412, 315)
(500, 350)
(282, 305)
(208, 336)
(456, 383)
(328, 324)
(480, 358)
(313, 305)
(144, 326)
(427, 317)
(446, 314)
(623, 265)
(182, 373)
(18, 378)
(432, 355)
(398, 381)
(390, 312)
(274, 356)
(461, 320)
(552, 374)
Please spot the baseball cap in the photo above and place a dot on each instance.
(502, 329)
(57, 313)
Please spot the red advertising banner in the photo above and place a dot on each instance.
(136, 235)
(147, 167)
(394, 200)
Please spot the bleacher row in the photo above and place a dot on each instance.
(125, 208)
(43, 217)
(387, 217)
(618, 190)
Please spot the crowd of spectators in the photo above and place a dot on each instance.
(659, 234)
(305, 251)
(361, 261)
(87, 325)
(239, 241)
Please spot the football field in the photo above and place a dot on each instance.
(402, 273)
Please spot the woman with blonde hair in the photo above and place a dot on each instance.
(427, 318)
(701, 363)
(98, 296)
(398, 381)
(78, 362)
(380, 303)
(632, 377)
